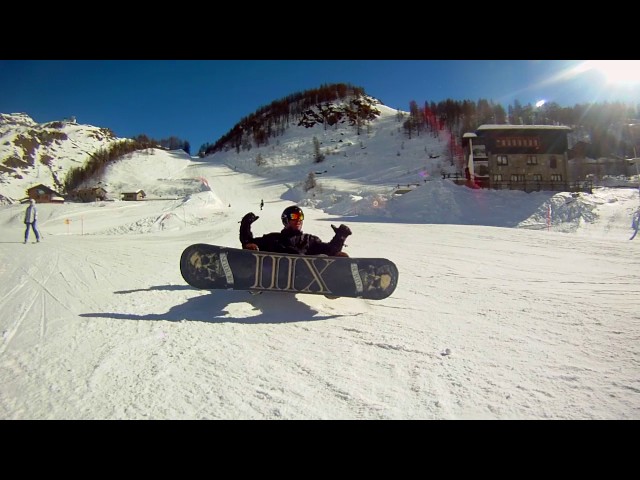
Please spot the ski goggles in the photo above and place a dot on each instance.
(296, 216)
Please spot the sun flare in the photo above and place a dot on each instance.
(616, 71)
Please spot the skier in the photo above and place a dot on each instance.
(30, 218)
(291, 239)
(261, 204)
(635, 224)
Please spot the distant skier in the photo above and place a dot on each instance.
(30, 219)
(291, 239)
(635, 224)
(261, 204)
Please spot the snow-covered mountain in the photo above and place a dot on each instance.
(381, 149)
(305, 153)
(33, 153)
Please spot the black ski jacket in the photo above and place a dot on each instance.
(292, 241)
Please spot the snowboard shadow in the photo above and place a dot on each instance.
(214, 308)
(159, 287)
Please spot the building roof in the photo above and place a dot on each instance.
(40, 186)
(489, 126)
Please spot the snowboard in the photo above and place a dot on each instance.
(213, 267)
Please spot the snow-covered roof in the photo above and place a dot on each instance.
(523, 127)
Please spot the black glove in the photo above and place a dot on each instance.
(245, 228)
(248, 219)
(342, 231)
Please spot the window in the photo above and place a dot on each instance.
(518, 142)
(553, 162)
(497, 178)
(555, 177)
(481, 170)
(517, 178)
(532, 160)
(502, 160)
(537, 177)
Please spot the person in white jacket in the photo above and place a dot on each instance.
(30, 218)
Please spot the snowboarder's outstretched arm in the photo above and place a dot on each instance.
(246, 236)
(318, 247)
(337, 242)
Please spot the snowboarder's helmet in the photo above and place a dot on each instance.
(291, 213)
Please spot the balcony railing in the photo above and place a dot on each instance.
(531, 186)
(527, 186)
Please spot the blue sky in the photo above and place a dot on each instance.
(201, 100)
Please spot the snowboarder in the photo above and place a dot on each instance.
(291, 239)
(261, 204)
(30, 218)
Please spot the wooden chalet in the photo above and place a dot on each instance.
(90, 194)
(134, 196)
(43, 194)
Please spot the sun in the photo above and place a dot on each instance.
(615, 71)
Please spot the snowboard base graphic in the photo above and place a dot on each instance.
(213, 267)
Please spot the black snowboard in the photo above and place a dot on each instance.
(211, 267)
